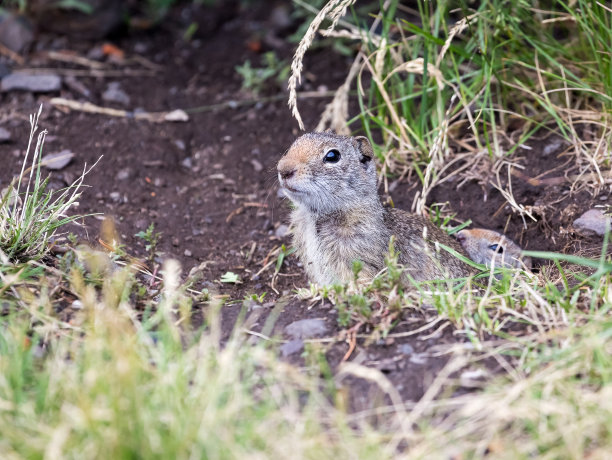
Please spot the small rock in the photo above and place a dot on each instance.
(406, 349)
(124, 174)
(57, 161)
(552, 146)
(280, 17)
(306, 328)
(472, 378)
(291, 347)
(188, 253)
(77, 305)
(187, 163)
(180, 144)
(593, 220)
(418, 358)
(257, 166)
(31, 82)
(176, 115)
(96, 53)
(141, 47)
(115, 196)
(16, 32)
(282, 231)
(114, 93)
(5, 135)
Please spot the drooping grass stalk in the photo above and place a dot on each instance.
(461, 77)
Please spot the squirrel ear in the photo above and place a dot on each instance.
(365, 148)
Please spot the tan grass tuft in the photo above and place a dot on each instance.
(335, 9)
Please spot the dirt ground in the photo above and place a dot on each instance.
(209, 185)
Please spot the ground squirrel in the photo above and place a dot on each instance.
(338, 217)
(491, 248)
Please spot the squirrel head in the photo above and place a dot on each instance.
(485, 246)
(327, 172)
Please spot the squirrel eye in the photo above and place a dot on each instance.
(497, 248)
(333, 156)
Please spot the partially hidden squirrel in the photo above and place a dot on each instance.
(492, 249)
(338, 217)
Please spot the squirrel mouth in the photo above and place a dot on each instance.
(291, 189)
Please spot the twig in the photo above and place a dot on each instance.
(11, 54)
(88, 107)
(97, 73)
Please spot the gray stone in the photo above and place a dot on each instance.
(187, 163)
(306, 328)
(115, 196)
(418, 358)
(594, 221)
(188, 253)
(406, 349)
(114, 93)
(282, 231)
(15, 32)
(553, 146)
(124, 174)
(31, 82)
(57, 161)
(291, 347)
(257, 166)
(5, 135)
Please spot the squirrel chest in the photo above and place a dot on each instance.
(329, 244)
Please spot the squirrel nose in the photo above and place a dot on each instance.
(286, 173)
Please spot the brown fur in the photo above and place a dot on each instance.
(339, 218)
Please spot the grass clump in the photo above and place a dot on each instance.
(31, 215)
(454, 83)
(116, 387)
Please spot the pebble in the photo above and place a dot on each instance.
(418, 358)
(593, 220)
(306, 328)
(5, 135)
(57, 161)
(282, 231)
(187, 163)
(291, 347)
(16, 32)
(552, 146)
(114, 93)
(188, 253)
(31, 82)
(257, 166)
(406, 349)
(180, 144)
(124, 174)
(115, 196)
(177, 115)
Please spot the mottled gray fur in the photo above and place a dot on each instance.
(338, 217)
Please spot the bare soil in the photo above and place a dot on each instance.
(209, 185)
